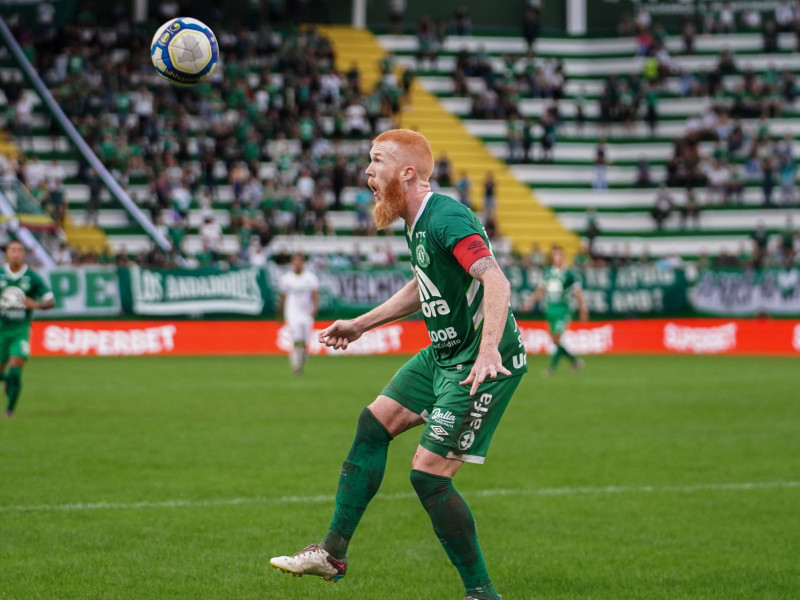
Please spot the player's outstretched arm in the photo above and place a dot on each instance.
(496, 295)
(531, 302)
(404, 303)
(583, 312)
(43, 304)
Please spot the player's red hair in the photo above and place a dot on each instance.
(413, 147)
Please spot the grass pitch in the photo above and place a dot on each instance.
(177, 478)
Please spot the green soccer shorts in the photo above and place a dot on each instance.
(458, 426)
(558, 320)
(14, 341)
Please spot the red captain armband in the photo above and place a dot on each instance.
(470, 249)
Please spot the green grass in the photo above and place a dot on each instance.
(177, 478)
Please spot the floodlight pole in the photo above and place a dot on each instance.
(359, 20)
(576, 17)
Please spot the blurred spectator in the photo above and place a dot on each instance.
(515, 132)
(601, 162)
(530, 28)
(788, 238)
(734, 191)
(768, 168)
(427, 43)
(489, 196)
(363, 203)
(593, 230)
(211, 238)
(769, 44)
(688, 33)
(750, 19)
(726, 20)
(760, 239)
(651, 107)
(643, 178)
(643, 19)
(444, 171)
(718, 178)
(708, 19)
(536, 257)
(464, 190)
(460, 24)
(626, 26)
(726, 62)
(784, 17)
(787, 176)
(690, 209)
(549, 132)
(662, 208)
(397, 12)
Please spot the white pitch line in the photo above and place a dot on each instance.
(563, 491)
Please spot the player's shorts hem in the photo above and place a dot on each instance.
(470, 458)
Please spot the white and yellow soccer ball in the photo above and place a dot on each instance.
(184, 51)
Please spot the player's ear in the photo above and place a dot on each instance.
(408, 173)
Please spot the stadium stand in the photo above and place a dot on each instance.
(578, 136)
(488, 97)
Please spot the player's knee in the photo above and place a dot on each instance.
(369, 427)
(13, 375)
(427, 485)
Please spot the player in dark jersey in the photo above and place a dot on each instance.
(458, 386)
(21, 291)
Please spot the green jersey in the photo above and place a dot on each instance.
(14, 287)
(557, 284)
(452, 301)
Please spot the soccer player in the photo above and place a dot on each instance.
(21, 291)
(556, 285)
(299, 302)
(458, 386)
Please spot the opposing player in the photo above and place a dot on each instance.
(299, 303)
(21, 291)
(458, 386)
(557, 283)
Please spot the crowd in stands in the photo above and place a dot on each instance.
(288, 132)
(278, 100)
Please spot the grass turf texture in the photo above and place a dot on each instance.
(179, 478)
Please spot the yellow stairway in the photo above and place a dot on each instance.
(85, 238)
(520, 216)
(356, 46)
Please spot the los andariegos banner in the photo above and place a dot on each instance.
(200, 291)
(636, 290)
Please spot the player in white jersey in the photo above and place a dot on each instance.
(298, 302)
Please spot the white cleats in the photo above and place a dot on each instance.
(311, 560)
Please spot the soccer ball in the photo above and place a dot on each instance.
(12, 298)
(184, 51)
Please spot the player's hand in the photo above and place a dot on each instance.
(489, 363)
(30, 303)
(339, 335)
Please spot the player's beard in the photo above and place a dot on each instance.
(391, 205)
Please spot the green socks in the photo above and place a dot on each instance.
(13, 378)
(361, 476)
(560, 351)
(454, 525)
